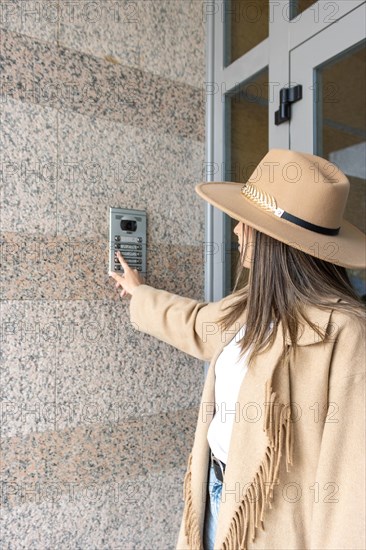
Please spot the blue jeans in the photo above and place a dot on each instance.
(214, 490)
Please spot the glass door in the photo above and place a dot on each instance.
(331, 120)
(246, 122)
(254, 49)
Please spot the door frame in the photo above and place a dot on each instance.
(284, 36)
(305, 58)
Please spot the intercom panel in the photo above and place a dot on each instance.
(127, 233)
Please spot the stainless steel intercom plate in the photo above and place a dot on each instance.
(127, 233)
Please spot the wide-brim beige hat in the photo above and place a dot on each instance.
(296, 198)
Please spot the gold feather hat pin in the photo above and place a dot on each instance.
(261, 198)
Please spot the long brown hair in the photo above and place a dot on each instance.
(282, 282)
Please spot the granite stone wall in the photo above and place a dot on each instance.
(101, 105)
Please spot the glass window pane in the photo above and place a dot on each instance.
(245, 25)
(298, 6)
(341, 131)
(246, 116)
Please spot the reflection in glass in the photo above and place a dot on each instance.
(340, 86)
(298, 6)
(245, 26)
(246, 116)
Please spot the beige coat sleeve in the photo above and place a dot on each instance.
(338, 518)
(184, 323)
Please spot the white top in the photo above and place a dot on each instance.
(229, 372)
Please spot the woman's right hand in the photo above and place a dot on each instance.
(130, 279)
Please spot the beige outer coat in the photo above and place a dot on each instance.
(295, 475)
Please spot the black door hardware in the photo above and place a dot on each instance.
(287, 96)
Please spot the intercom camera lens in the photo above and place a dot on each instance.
(128, 225)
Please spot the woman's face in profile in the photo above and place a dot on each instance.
(244, 234)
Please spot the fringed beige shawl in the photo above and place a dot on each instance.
(295, 475)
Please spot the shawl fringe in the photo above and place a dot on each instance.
(259, 495)
(192, 531)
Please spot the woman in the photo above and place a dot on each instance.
(278, 455)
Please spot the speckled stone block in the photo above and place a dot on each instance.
(37, 268)
(98, 376)
(71, 516)
(36, 18)
(26, 525)
(165, 37)
(104, 164)
(105, 374)
(170, 380)
(93, 452)
(71, 363)
(168, 25)
(101, 451)
(97, 418)
(61, 78)
(167, 439)
(143, 512)
(99, 516)
(163, 509)
(27, 367)
(10, 15)
(110, 30)
(28, 145)
(105, 486)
